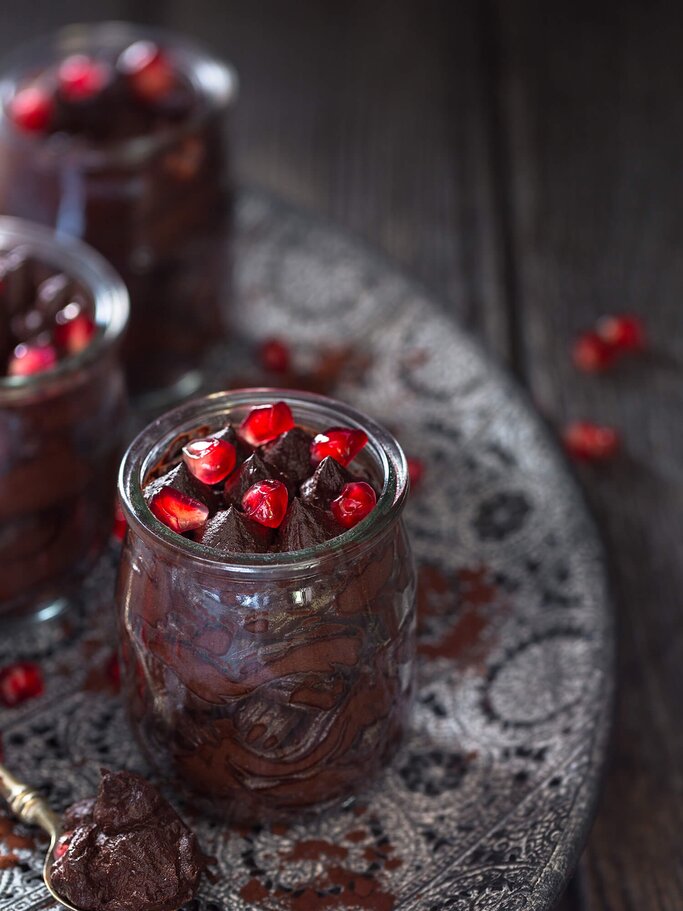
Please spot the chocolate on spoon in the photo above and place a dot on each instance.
(124, 850)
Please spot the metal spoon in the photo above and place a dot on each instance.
(28, 806)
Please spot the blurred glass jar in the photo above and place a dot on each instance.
(156, 205)
(274, 683)
(61, 435)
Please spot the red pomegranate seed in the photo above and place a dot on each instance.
(74, 329)
(591, 354)
(590, 442)
(31, 109)
(210, 460)
(266, 422)
(354, 503)
(29, 359)
(149, 71)
(19, 682)
(266, 503)
(274, 356)
(341, 443)
(415, 470)
(623, 332)
(180, 512)
(63, 844)
(80, 77)
(120, 525)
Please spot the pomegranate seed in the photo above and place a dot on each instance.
(623, 332)
(120, 525)
(30, 359)
(80, 77)
(356, 500)
(274, 356)
(63, 845)
(341, 443)
(19, 682)
(31, 109)
(210, 460)
(266, 422)
(591, 354)
(266, 503)
(415, 470)
(148, 69)
(590, 442)
(178, 511)
(74, 329)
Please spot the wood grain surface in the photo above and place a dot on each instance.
(524, 160)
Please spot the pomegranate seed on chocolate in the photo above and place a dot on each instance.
(44, 317)
(275, 488)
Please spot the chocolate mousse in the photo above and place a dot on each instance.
(122, 144)
(271, 495)
(62, 412)
(126, 850)
(266, 684)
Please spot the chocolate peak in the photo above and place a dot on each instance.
(325, 484)
(251, 470)
(180, 479)
(305, 526)
(230, 532)
(290, 453)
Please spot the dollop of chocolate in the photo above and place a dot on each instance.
(231, 532)
(304, 526)
(179, 478)
(251, 471)
(128, 851)
(325, 483)
(290, 453)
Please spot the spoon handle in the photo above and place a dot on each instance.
(27, 804)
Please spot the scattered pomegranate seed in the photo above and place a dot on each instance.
(180, 512)
(74, 329)
(354, 503)
(275, 356)
(210, 460)
(590, 442)
(341, 443)
(623, 332)
(80, 77)
(29, 359)
(63, 844)
(266, 503)
(266, 422)
(19, 682)
(416, 470)
(150, 72)
(120, 525)
(591, 354)
(31, 109)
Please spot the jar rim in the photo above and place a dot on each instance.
(216, 82)
(79, 261)
(382, 446)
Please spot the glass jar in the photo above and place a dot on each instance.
(156, 205)
(61, 435)
(273, 683)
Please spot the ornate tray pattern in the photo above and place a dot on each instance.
(488, 804)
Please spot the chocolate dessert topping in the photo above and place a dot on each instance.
(230, 532)
(290, 453)
(44, 317)
(126, 850)
(325, 484)
(281, 492)
(304, 526)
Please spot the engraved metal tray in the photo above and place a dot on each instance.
(490, 800)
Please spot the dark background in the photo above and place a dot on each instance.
(525, 160)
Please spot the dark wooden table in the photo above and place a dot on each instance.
(523, 159)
